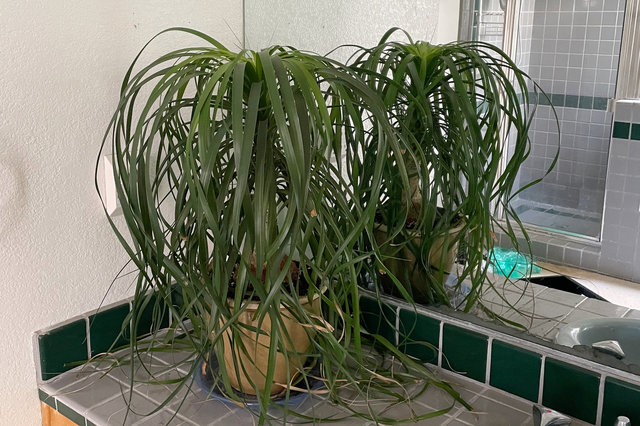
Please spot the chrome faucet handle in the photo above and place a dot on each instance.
(623, 421)
(543, 416)
(611, 347)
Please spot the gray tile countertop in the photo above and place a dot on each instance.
(543, 310)
(97, 394)
(100, 396)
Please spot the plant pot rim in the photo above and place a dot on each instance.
(383, 228)
(253, 305)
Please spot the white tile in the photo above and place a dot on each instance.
(491, 413)
(68, 378)
(90, 392)
(603, 308)
(121, 410)
(623, 111)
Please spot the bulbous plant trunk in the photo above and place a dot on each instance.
(403, 264)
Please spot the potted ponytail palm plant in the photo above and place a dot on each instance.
(240, 220)
(453, 105)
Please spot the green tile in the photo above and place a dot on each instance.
(47, 399)
(635, 131)
(155, 316)
(571, 390)
(177, 296)
(571, 101)
(600, 103)
(621, 130)
(542, 99)
(557, 99)
(378, 318)
(419, 336)
(62, 346)
(70, 414)
(464, 351)
(105, 327)
(509, 362)
(620, 399)
(585, 102)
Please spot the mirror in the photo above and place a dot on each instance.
(321, 26)
(551, 45)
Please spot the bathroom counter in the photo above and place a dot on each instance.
(494, 363)
(543, 310)
(91, 395)
(615, 290)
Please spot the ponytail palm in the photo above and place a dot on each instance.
(453, 105)
(227, 168)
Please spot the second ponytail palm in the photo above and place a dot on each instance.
(453, 104)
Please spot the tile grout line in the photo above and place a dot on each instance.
(487, 373)
(440, 342)
(397, 330)
(88, 331)
(600, 405)
(541, 382)
(535, 347)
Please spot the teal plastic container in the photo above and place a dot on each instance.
(510, 263)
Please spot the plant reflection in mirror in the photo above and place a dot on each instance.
(453, 104)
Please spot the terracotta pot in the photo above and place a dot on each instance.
(255, 365)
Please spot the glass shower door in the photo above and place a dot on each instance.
(571, 48)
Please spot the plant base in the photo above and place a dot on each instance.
(205, 379)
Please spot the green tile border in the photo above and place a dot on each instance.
(587, 389)
(60, 348)
(148, 321)
(621, 129)
(571, 101)
(419, 336)
(75, 349)
(105, 329)
(586, 102)
(383, 325)
(635, 131)
(620, 399)
(64, 409)
(46, 398)
(465, 352)
(562, 379)
(515, 370)
(598, 103)
(71, 414)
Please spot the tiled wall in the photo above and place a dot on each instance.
(618, 252)
(573, 56)
(583, 389)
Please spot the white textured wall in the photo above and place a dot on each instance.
(62, 64)
(448, 21)
(320, 26)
